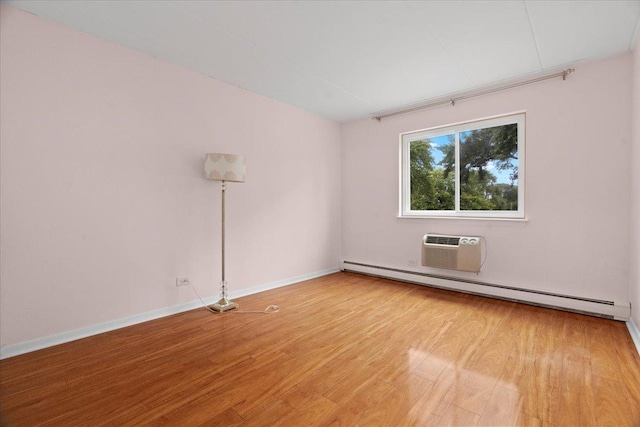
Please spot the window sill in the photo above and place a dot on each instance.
(467, 218)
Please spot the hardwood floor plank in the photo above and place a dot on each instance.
(457, 416)
(503, 407)
(370, 394)
(608, 397)
(471, 391)
(343, 350)
(396, 402)
(600, 338)
(432, 405)
(316, 412)
(193, 415)
(576, 393)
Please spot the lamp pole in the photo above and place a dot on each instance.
(223, 303)
(224, 294)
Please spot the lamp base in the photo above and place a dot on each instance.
(223, 305)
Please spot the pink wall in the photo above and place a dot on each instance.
(635, 192)
(103, 197)
(104, 204)
(576, 239)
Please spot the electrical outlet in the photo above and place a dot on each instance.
(413, 263)
(183, 281)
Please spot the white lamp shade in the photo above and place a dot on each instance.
(224, 167)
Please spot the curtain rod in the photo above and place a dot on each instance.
(453, 100)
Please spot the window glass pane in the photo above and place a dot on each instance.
(432, 173)
(489, 169)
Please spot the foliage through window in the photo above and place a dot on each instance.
(472, 169)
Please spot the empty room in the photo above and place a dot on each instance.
(319, 213)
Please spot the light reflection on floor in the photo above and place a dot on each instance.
(459, 396)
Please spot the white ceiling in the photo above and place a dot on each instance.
(350, 59)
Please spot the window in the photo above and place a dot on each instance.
(472, 169)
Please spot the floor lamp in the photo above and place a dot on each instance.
(224, 167)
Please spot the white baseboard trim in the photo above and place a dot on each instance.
(609, 309)
(63, 337)
(280, 283)
(635, 333)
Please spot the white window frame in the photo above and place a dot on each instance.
(405, 180)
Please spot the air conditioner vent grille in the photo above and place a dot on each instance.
(443, 240)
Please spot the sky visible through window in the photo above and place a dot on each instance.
(502, 176)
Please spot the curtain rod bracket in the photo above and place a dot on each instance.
(566, 72)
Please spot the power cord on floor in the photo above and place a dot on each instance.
(270, 308)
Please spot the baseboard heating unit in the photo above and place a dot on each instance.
(593, 307)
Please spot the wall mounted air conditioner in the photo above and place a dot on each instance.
(452, 252)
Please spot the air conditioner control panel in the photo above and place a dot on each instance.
(469, 241)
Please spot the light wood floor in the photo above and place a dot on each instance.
(344, 350)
